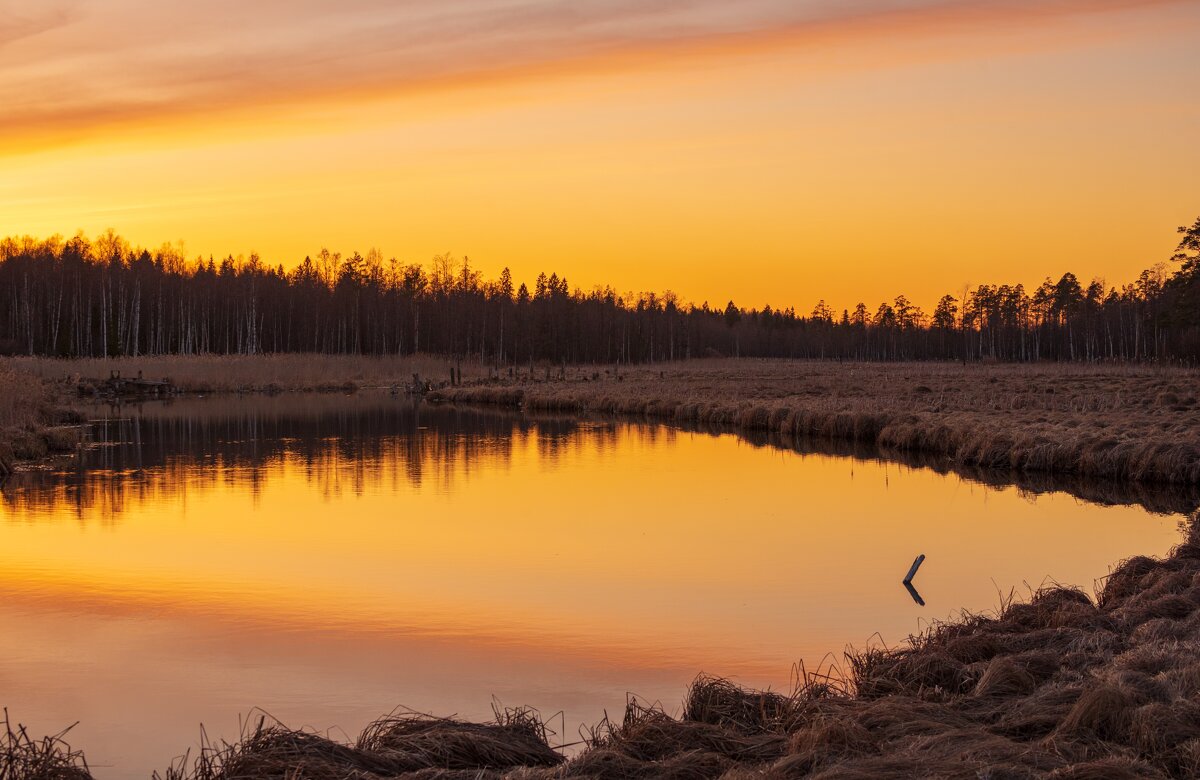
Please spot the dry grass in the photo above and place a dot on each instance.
(1115, 422)
(32, 424)
(1060, 686)
(23, 398)
(1138, 423)
(406, 744)
(49, 758)
(256, 373)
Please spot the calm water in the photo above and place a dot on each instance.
(330, 558)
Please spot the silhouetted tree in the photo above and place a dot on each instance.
(103, 297)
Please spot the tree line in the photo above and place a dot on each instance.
(91, 298)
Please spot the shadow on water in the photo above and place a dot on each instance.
(1158, 498)
(348, 443)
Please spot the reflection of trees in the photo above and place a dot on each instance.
(341, 444)
(147, 453)
(1154, 497)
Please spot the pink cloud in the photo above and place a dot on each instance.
(78, 65)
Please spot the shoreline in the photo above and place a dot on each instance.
(1029, 419)
(37, 425)
(1155, 497)
(1093, 426)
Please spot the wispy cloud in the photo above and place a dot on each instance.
(18, 23)
(78, 64)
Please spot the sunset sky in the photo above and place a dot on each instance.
(768, 151)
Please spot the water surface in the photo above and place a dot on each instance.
(328, 558)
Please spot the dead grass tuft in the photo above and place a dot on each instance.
(1103, 711)
(1114, 768)
(408, 744)
(49, 758)
(719, 702)
(1004, 677)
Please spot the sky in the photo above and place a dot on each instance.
(765, 151)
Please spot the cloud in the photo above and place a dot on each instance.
(73, 67)
(18, 23)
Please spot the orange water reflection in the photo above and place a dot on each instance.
(340, 557)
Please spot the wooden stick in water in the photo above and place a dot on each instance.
(913, 571)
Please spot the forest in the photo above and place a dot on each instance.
(80, 297)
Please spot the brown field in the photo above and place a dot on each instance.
(1062, 686)
(255, 373)
(1116, 422)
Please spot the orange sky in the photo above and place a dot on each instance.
(769, 151)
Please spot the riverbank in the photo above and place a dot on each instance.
(1068, 417)
(34, 423)
(1128, 423)
(38, 395)
(1111, 422)
(1061, 686)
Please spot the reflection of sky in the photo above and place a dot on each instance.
(560, 577)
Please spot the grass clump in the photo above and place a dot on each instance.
(49, 758)
(399, 745)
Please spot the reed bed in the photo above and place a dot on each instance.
(1060, 686)
(257, 373)
(399, 745)
(20, 403)
(32, 422)
(49, 758)
(1116, 422)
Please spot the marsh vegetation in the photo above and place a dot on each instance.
(295, 372)
(33, 421)
(1118, 422)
